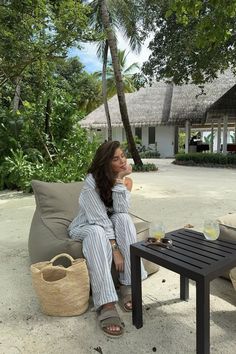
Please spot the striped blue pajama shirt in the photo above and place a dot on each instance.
(95, 229)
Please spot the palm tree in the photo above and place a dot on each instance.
(119, 82)
(102, 52)
(232, 137)
(110, 14)
(209, 138)
(104, 89)
(127, 74)
(122, 17)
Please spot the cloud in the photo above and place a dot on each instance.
(132, 56)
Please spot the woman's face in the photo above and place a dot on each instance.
(118, 162)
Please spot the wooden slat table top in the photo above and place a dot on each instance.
(191, 255)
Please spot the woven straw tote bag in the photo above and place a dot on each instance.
(62, 291)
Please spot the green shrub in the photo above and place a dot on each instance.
(144, 152)
(146, 167)
(149, 154)
(210, 159)
(17, 170)
(70, 163)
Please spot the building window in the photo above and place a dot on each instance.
(151, 135)
(138, 133)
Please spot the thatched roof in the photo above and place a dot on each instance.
(226, 104)
(144, 108)
(193, 102)
(163, 104)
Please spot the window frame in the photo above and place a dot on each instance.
(153, 135)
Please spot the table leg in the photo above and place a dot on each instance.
(203, 317)
(184, 288)
(137, 313)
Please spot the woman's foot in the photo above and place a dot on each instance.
(128, 306)
(110, 321)
(126, 297)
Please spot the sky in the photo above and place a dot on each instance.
(89, 58)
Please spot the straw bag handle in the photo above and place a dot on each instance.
(62, 255)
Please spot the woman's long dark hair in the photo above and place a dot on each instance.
(102, 171)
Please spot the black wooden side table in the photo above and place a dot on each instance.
(192, 257)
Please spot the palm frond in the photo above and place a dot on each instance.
(123, 17)
(100, 49)
(131, 69)
(125, 13)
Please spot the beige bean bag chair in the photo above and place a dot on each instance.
(228, 233)
(56, 206)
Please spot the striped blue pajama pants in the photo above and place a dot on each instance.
(98, 253)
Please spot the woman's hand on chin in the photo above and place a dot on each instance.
(125, 172)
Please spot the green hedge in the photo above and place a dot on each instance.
(208, 159)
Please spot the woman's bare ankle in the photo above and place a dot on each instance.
(109, 305)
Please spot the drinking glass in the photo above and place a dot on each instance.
(157, 230)
(211, 229)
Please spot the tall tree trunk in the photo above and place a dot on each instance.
(104, 90)
(119, 83)
(48, 111)
(16, 99)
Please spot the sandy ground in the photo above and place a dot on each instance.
(176, 195)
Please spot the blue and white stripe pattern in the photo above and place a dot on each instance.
(95, 229)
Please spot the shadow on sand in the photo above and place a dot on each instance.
(10, 194)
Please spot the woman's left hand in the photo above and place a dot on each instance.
(118, 260)
(125, 172)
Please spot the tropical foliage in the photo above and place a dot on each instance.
(232, 137)
(107, 25)
(126, 71)
(42, 94)
(209, 138)
(192, 41)
(38, 31)
(42, 138)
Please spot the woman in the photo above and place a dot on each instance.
(106, 229)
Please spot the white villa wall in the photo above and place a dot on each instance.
(117, 133)
(145, 136)
(164, 138)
